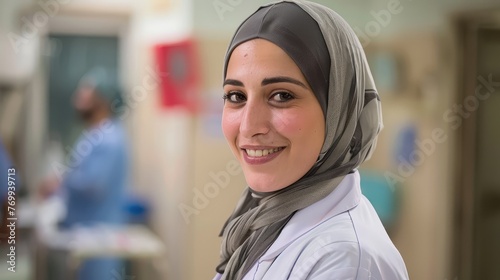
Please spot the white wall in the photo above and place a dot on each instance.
(222, 17)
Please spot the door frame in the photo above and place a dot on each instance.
(467, 25)
(79, 20)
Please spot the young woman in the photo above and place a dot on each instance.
(301, 114)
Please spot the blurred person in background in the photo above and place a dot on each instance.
(95, 182)
(301, 113)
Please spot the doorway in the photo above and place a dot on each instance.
(71, 57)
(478, 203)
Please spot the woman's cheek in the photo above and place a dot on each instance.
(230, 125)
(289, 123)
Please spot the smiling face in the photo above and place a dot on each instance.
(271, 119)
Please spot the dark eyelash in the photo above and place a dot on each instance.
(291, 95)
(225, 96)
(229, 96)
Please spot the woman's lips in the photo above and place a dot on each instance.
(261, 155)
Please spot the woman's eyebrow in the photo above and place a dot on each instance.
(282, 79)
(233, 83)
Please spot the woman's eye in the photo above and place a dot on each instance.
(234, 97)
(282, 96)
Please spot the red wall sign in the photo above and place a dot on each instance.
(179, 74)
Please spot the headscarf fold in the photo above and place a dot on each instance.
(333, 62)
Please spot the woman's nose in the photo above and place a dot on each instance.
(255, 119)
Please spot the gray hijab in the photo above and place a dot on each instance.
(333, 62)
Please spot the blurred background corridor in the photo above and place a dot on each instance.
(170, 179)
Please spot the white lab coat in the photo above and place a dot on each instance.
(337, 238)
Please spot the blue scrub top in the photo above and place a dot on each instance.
(96, 180)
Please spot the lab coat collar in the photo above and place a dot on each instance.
(346, 196)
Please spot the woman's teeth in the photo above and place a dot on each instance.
(262, 153)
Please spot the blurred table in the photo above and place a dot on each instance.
(128, 242)
(131, 242)
(135, 242)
